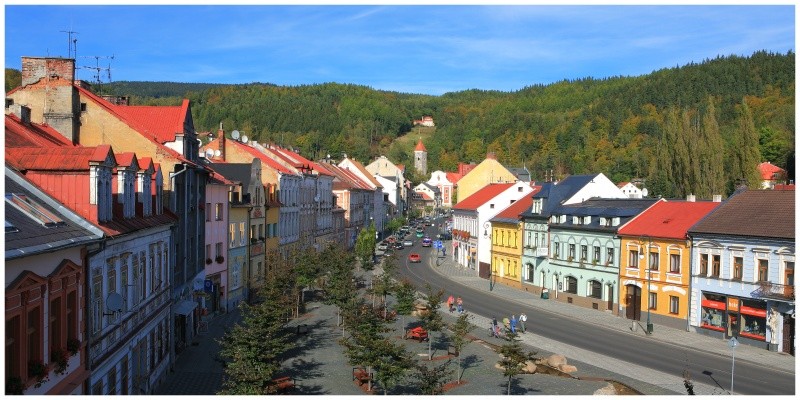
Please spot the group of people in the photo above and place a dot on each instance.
(458, 303)
(509, 324)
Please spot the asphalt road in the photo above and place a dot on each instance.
(751, 379)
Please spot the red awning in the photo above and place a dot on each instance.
(753, 311)
(713, 304)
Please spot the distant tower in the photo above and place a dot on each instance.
(421, 158)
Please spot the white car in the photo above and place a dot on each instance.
(382, 247)
(408, 243)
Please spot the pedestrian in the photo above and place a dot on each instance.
(493, 328)
(513, 323)
(522, 319)
(460, 305)
(450, 303)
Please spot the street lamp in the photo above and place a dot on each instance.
(487, 234)
(732, 344)
(647, 271)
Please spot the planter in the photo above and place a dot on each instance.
(38, 370)
(61, 358)
(73, 345)
(220, 259)
(208, 261)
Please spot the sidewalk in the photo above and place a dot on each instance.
(682, 338)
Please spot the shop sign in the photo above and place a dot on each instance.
(733, 304)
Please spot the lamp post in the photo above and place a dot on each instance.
(732, 344)
(647, 271)
(487, 235)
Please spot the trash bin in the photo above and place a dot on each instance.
(545, 294)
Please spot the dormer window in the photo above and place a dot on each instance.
(100, 194)
(145, 197)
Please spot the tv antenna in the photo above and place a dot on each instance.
(72, 44)
(98, 69)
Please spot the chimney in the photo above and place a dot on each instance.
(221, 135)
(55, 79)
(690, 198)
(22, 112)
(717, 198)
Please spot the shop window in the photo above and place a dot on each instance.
(673, 305)
(713, 312)
(675, 263)
(652, 300)
(572, 285)
(595, 289)
(738, 267)
(704, 264)
(763, 270)
(753, 315)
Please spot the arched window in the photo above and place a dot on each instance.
(595, 289)
(571, 285)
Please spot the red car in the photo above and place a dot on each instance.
(414, 258)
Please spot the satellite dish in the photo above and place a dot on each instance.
(644, 192)
(217, 153)
(244, 139)
(209, 153)
(235, 134)
(114, 302)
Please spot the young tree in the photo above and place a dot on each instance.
(405, 296)
(431, 380)
(432, 319)
(257, 347)
(459, 339)
(514, 357)
(392, 364)
(306, 271)
(365, 247)
(339, 287)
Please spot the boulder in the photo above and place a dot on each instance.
(556, 360)
(530, 367)
(566, 368)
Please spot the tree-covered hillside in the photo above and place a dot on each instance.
(691, 129)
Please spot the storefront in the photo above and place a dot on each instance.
(743, 318)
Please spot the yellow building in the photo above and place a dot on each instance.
(488, 171)
(507, 243)
(656, 240)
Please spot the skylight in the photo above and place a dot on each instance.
(10, 228)
(33, 210)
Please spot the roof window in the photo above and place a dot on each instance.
(33, 210)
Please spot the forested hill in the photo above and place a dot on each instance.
(689, 129)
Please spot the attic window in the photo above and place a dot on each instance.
(519, 189)
(9, 102)
(491, 205)
(83, 107)
(33, 209)
(10, 228)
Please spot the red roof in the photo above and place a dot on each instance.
(56, 158)
(19, 134)
(668, 219)
(768, 170)
(480, 197)
(145, 163)
(126, 159)
(621, 184)
(159, 122)
(256, 153)
(515, 209)
(299, 161)
(425, 196)
(453, 177)
(420, 146)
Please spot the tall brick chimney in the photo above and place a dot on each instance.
(54, 77)
(221, 134)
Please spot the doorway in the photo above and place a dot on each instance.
(788, 334)
(633, 302)
(610, 298)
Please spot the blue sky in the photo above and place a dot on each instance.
(405, 48)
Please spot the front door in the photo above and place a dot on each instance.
(610, 297)
(788, 335)
(633, 302)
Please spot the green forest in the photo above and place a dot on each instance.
(699, 128)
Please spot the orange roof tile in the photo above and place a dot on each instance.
(420, 146)
(159, 122)
(480, 197)
(768, 170)
(668, 219)
(19, 134)
(56, 158)
(126, 159)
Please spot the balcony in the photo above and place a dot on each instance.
(769, 290)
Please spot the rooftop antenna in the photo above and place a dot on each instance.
(72, 44)
(98, 69)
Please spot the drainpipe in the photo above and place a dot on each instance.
(691, 264)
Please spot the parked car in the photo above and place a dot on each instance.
(427, 242)
(445, 236)
(414, 258)
(420, 232)
(382, 247)
(399, 246)
(408, 243)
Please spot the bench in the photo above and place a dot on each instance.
(282, 384)
(361, 375)
(451, 350)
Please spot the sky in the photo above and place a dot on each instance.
(426, 49)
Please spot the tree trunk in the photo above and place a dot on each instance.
(458, 368)
(369, 382)
(430, 345)
(509, 385)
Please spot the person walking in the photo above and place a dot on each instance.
(522, 319)
(450, 303)
(494, 327)
(460, 305)
(513, 323)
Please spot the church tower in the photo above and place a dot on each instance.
(421, 158)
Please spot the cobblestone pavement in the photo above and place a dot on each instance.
(320, 367)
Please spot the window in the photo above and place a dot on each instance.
(13, 351)
(123, 281)
(112, 380)
(571, 254)
(738, 267)
(571, 285)
(232, 234)
(788, 273)
(123, 367)
(673, 304)
(584, 252)
(97, 301)
(633, 259)
(704, 264)
(653, 262)
(242, 236)
(715, 265)
(219, 249)
(154, 282)
(596, 254)
(652, 300)
(595, 290)
(609, 255)
(71, 315)
(556, 249)
(33, 209)
(208, 211)
(763, 270)
(675, 263)
(218, 212)
(35, 335)
(208, 251)
(56, 337)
